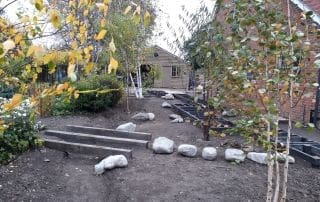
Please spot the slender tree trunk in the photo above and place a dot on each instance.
(270, 168)
(127, 85)
(286, 165)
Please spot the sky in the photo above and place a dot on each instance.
(25, 7)
(169, 13)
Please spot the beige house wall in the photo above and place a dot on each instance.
(165, 61)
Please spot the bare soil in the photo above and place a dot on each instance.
(49, 175)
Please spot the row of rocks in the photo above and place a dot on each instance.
(163, 145)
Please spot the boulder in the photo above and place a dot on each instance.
(209, 153)
(144, 116)
(178, 120)
(282, 158)
(168, 97)
(261, 158)
(187, 150)
(234, 155)
(166, 105)
(127, 127)
(162, 145)
(175, 116)
(116, 161)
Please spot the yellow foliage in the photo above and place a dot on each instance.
(55, 19)
(113, 65)
(15, 101)
(147, 19)
(89, 67)
(128, 9)
(112, 46)
(39, 4)
(101, 34)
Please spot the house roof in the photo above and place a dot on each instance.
(171, 54)
(310, 5)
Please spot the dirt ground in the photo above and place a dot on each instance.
(49, 175)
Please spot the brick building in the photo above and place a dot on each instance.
(304, 105)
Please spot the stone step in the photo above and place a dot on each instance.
(98, 139)
(88, 149)
(109, 132)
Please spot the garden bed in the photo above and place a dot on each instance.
(54, 176)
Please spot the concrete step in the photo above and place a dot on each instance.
(109, 132)
(99, 151)
(97, 139)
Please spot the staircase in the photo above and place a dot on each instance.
(100, 142)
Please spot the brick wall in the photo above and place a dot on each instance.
(303, 104)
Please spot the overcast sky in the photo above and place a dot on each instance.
(169, 13)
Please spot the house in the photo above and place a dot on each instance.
(174, 72)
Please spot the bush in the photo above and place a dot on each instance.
(18, 130)
(62, 106)
(97, 93)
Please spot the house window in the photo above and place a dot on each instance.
(175, 71)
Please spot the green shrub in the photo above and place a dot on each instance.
(18, 130)
(97, 93)
(62, 106)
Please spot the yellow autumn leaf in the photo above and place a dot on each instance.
(55, 19)
(107, 1)
(147, 19)
(101, 34)
(18, 38)
(112, 47)
(39, 5)
(71, 74)
(28, 68)
(70, 18)
(128, 9)
(113, 65)
(86, 12)
(71, 68)
(15, 101)
(89, 67)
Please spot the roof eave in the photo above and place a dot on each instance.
(315, 17)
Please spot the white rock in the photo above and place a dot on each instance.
(178, 120)
(187, 150)
(166, 105)
(261, 158)
(151, 116)
(116, 161)
(199, 88)
(144, 116)
(99, 168)
(168, 97)
(282, 158)
(163, 145)
(209, 153)
(234, 155)
(127, 127)
(175, 116)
